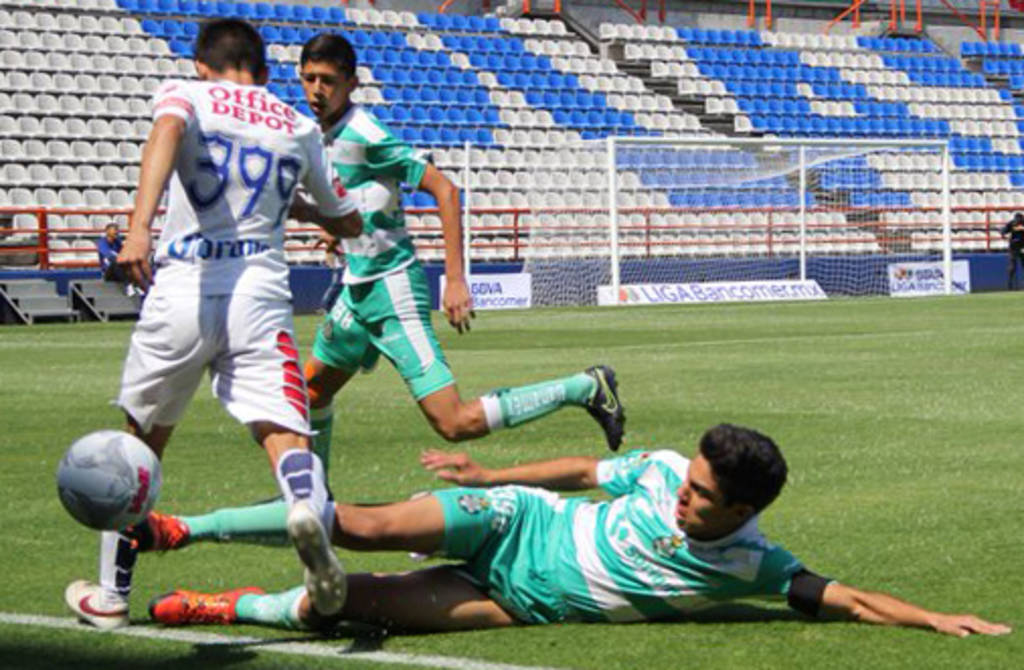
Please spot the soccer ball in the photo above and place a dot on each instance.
(109, 480)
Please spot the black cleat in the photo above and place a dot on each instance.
(605, 407)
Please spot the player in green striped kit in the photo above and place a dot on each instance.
(677, 536)
(384, 306)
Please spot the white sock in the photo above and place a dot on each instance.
(492, 411)
(117, 560)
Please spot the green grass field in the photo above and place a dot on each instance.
(901, 421)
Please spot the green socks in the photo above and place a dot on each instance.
(511, 407)
(274, 609)
(322, 422)
(259, 524)
(263, 523)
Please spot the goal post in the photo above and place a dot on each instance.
(601, 215)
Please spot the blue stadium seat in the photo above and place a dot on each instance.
(244, 10)
(167, 6)
(423, 199)
(448, 136)
(270, 33)
(290, 35)
(419, 115)
(336, 15)
(400, 114)
(181, 48)
(190, 29)
(261, 11)
(188, 7)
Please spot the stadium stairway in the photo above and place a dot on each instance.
(29, 300)
(98, 300)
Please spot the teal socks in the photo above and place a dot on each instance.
(274, 609)
(515, 406)
(258, 524)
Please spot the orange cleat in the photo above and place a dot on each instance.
(160, 532)
(180, 608)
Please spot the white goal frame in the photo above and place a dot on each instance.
(613, 143)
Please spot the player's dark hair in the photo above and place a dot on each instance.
(330, 48)
(230, 44)
(748, 466)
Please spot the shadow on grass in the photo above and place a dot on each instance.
(82, 656)
(746, 613)
(120, 653)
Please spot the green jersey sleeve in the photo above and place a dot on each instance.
(776, 571)
(619, 476)
(393, 158)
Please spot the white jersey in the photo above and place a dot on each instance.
(243, 154)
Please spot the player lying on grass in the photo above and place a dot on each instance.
(677, 536)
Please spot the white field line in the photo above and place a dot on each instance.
(265, 645)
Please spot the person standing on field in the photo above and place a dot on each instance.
(1014, 228)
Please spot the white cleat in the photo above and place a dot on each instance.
(89, 603)
(326, 583)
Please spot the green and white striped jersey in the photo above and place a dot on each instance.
(627, 560)
(372, 164)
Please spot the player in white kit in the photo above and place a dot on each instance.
(232, 156)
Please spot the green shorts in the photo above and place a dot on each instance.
(389, 316)
(509, 538)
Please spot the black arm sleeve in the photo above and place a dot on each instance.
(806, 590)
(1007, 227)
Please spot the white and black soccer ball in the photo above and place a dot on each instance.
(109, 480)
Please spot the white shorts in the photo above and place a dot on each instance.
(245, 342)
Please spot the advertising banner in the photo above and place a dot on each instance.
(711, 292)
(499, 291)
(908, 280)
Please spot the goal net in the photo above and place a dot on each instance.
(636, 211)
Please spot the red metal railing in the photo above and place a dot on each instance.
(512, 237)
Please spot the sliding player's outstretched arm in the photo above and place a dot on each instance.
(158, 158)
(846, 602)
(571, 473)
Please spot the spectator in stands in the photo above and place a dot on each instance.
(1015, 229)
(108, 247)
